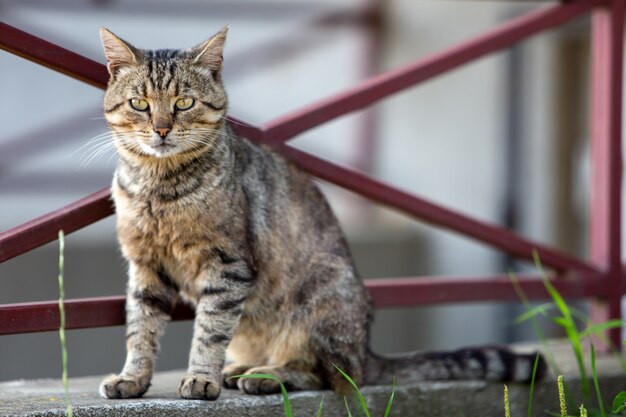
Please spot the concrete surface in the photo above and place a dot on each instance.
(480, 399)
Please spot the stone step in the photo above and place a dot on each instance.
(424, 399)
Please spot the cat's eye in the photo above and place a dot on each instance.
(184, 103)
(139, 104)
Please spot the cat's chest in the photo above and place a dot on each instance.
(167, 233)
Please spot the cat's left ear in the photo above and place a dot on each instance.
(210, 53)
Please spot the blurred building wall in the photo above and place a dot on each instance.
(445, 140)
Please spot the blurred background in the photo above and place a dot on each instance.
(503, 139)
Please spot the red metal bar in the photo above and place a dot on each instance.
(393, 292)
(388, 83)
(246, 129)
(52, 56)
(404, 292)
(606, 116)
(45, 229)
(79, 314)
(44, 316)
(438, 215)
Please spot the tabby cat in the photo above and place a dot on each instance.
(246, 238)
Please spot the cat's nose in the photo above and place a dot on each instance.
(162, 131)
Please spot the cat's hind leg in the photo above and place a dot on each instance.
(340, 307)
(231, 370)
(295, 376)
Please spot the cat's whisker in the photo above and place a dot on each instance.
(99, 148)
(98, 138)
(93, 145)
(94, 156)
(101, 137)
(216, 131)
(113, 155)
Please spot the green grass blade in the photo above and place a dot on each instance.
(568, 323)
(66, 389)
(601, 327)
(561, 321)
(345, 400)
(393, 394)
(351, 381)
(532, 386)
(580, 315)
(597, 329)
(615, 350)
(619, 402)
(319, 410)
(535, 324)
(537, 329)
(572, 335)
(594, 374)
(540, 310)
(286, 402)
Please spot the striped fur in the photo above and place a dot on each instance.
(244, 236)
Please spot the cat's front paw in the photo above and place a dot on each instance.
(199, 387)
(124, 386)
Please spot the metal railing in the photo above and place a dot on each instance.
(601, 278)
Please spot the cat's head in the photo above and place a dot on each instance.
(164, 102)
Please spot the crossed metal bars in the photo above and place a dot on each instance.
(602, 278)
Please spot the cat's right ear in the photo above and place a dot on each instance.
(118, 52)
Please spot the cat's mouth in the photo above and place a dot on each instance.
(159, 149)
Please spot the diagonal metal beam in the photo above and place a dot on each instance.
(438, 215)
(388, 83)
(44, 229)
(52, 56)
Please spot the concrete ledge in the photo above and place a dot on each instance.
(432, 399)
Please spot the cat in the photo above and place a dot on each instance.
(245, 237)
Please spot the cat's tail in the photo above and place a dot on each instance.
(491, 363)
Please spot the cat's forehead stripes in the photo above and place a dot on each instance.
(162, 68)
